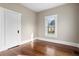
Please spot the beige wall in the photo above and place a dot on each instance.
(67, 22)
(78, 22)
(28, 19)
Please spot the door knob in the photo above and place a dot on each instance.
(18, 31)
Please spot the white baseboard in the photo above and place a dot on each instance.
(53, 40)
(25, 41)
(59, 41)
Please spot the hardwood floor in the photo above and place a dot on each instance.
(55, 49)
(41, 48)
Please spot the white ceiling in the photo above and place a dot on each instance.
(37, 7)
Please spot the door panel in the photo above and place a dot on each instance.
(2, 35)
(12, 37)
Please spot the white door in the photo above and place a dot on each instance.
(2, 36)
(1, 40)
(13, 28)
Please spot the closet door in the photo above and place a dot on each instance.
(2, 34)
(1, 41)
(12, 31)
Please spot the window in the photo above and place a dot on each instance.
(51, 26)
